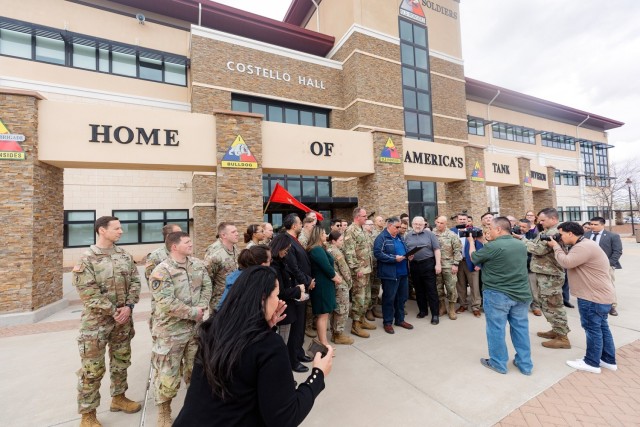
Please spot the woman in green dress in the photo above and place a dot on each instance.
(323, 295)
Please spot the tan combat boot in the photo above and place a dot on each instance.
(164, 414)
(377, 311)
(356, 329)
(342, 339)
(560, 341)
(369, 316)
(452, 311)
(548, 335)
(89, 419)
(366, 325)
(121, 403)
(442, 310)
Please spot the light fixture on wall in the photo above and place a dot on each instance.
(182, 186)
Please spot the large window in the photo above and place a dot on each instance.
(513, 133)
(563, 142)
(422, 200)
(570, 178)
(592, 211)
(602, 165)
(586, 151)
(416, 83)
(44, 44)
(475, 126)
(300, 186)
(283, 112)
(561, 214)
(573, 213)
(557, 178)
(145, 226)
(79, 228)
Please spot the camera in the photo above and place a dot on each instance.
(516, 230)
(547, 238)
(464, 231)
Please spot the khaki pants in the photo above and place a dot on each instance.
(471, 279)
(533, 284)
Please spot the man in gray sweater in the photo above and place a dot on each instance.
(590, 282)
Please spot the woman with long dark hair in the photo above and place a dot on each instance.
(242, 375)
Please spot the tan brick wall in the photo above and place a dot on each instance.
(32, 212)
(385, 191)
(546, 198)
(446, 67)
(205, 100)
(516, 200)
(377, 116)
(368, 44)
(468, 195)
(345, 188)
(204, 217)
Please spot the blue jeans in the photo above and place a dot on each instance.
(593, 318)
(394, 295)
(500, 309)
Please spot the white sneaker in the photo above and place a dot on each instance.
(608, 366)
(581, 366)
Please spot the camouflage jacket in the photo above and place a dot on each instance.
(450, 248)
(543, 259)
(219, 263)
(178, 291)
(340, 264)
(106, 281)
(358, 250)
(153, 260)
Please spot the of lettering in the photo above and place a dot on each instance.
(125, 135)
(539, 176)
(433, 159)
(500, 168)
(321, 148)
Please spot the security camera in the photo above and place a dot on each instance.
(140, 17)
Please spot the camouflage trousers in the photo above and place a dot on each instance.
(359, 291)
(341, 312)
(550, 296)
(446, 280)
(95, 335)
(172, 359)
(216, 296)
(374, 293)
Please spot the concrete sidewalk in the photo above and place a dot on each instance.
(428, 376)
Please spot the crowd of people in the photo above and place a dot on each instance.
(233, 324)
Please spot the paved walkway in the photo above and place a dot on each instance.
(430, 376)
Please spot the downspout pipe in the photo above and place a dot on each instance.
(317, 15)
(489, 113)
(581, 171)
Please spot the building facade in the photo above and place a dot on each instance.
(189, 113)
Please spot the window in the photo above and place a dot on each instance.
(416, 83)
(561, 214)
(283, 112)
(475, 126)
(562, 142)
(573, 213)
(145, 226)
(422, 200)
(557, 179)
(570, 178)
(79, 228)
(602, 165)
(586, 151)
(305, 187)
(592, 211)
(61, 47)
(513, 133)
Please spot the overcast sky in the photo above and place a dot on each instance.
(580, 53)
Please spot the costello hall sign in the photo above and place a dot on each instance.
(431, 161)
(272, 74)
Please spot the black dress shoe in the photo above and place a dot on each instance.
(569, 305)
(421, 315)
(300, 368)
(305, 359)
(435, 320)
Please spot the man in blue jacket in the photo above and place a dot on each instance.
(393, 271)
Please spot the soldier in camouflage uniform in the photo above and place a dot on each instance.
(182, 290)
(155, 258)
(359, 255)
(374, 307)
(550, 278)
(450, 257)
(335, 242)
(108, 284)
(221, 258)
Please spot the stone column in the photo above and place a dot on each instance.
(546, 198)
(468, 195)
(32, 213)
(204, 211)
(385, 191)
(239, 191)
(516, 200)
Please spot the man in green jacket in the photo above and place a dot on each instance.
(507, 296)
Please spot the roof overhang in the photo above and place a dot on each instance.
(485, 92)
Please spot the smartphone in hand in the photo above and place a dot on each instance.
(317, 347)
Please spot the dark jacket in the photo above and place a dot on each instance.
(384, 249)
(298, 262)
(263, 388)
(611, 245)
(289, 291)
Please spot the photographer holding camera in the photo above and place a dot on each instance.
(588, 270)
(550, 278)
(468, 272)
